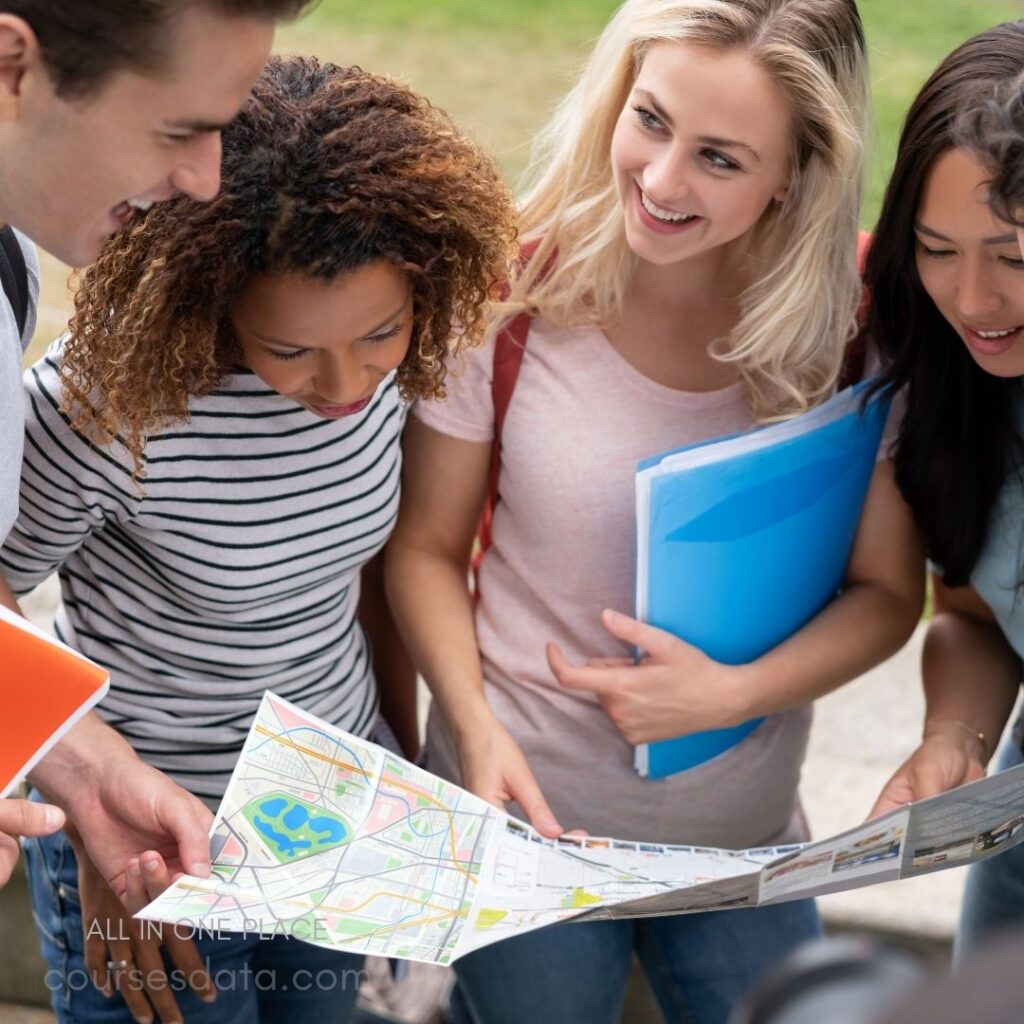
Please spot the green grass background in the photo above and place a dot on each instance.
(499, 66)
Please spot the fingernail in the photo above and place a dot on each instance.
(209, 996)
(550, 824)
(133, 868)
(151, 865)
(200, 868)
(610, 613)
(53, 816)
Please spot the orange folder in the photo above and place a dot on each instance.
(45, 687)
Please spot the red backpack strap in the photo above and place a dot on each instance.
(855, 361)
(509, 347)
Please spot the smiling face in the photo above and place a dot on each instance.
(73, 168)
(700, 150)
(326, 345)
(970, 263)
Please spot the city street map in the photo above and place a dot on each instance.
(336, 841)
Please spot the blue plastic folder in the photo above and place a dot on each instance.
(743, 539)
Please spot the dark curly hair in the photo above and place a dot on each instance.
(326, 170)
(992, 125)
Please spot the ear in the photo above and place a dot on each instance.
(780, 196)
(19, 50)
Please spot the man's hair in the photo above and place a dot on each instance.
(83, 42)
(992, 125)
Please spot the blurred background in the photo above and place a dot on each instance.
(499, 66)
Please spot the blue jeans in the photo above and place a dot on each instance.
(698, 965)
(994, 895)
(278, 980)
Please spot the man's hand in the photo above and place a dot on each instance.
(23, 818)
(135, 808)
(121, 806)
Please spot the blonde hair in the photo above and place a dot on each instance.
(797, 316)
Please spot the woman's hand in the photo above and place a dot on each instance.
(123, 954)
(949, 756)
(495, 769)
(673, 690)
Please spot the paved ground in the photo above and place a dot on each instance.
(861, 733)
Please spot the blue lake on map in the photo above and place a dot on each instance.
(293, 828)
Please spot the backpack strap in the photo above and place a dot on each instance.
(509, 347)
(855, 360)
(14, 276)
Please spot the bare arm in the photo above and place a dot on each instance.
(392, 666)
(444, 484)
(971, 679)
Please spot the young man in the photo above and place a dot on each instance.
(106, 106)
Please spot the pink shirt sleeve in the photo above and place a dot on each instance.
(467, 413)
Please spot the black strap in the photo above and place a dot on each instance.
(14, 276)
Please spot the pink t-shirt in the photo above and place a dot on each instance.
(580, 420)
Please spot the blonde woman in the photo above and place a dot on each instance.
(693, 209)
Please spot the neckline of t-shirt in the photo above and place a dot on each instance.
(662, 392)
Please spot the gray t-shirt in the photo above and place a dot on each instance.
(12, 394)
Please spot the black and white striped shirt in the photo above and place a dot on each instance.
(236, 570)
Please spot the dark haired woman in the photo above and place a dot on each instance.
(948, 311)
(213, 461)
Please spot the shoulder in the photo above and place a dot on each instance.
(50, 426)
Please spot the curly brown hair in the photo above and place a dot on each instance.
(326, 170)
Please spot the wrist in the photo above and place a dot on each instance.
(473, 720)
(959, 733)
(744, 693)
(77, 763)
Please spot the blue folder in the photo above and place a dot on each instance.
(744, 539)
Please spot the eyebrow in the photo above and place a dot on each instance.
(1004, 239)
(369, 334)
(199, 127)
(704, 140)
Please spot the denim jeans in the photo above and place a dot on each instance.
(698, 965)
(994, 895)
(278, 980)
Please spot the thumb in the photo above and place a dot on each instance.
(189, 823)
(647, 638)
(27, 818)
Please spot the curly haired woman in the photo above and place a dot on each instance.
(213, 464)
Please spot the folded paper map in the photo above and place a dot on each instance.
(47, 687)
(336, 841)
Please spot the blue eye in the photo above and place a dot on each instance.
(648, 120)
(719, 160)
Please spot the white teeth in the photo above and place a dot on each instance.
(140, 204)
(666, 215)
(993, 335)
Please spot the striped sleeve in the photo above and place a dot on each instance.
(70, 487)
